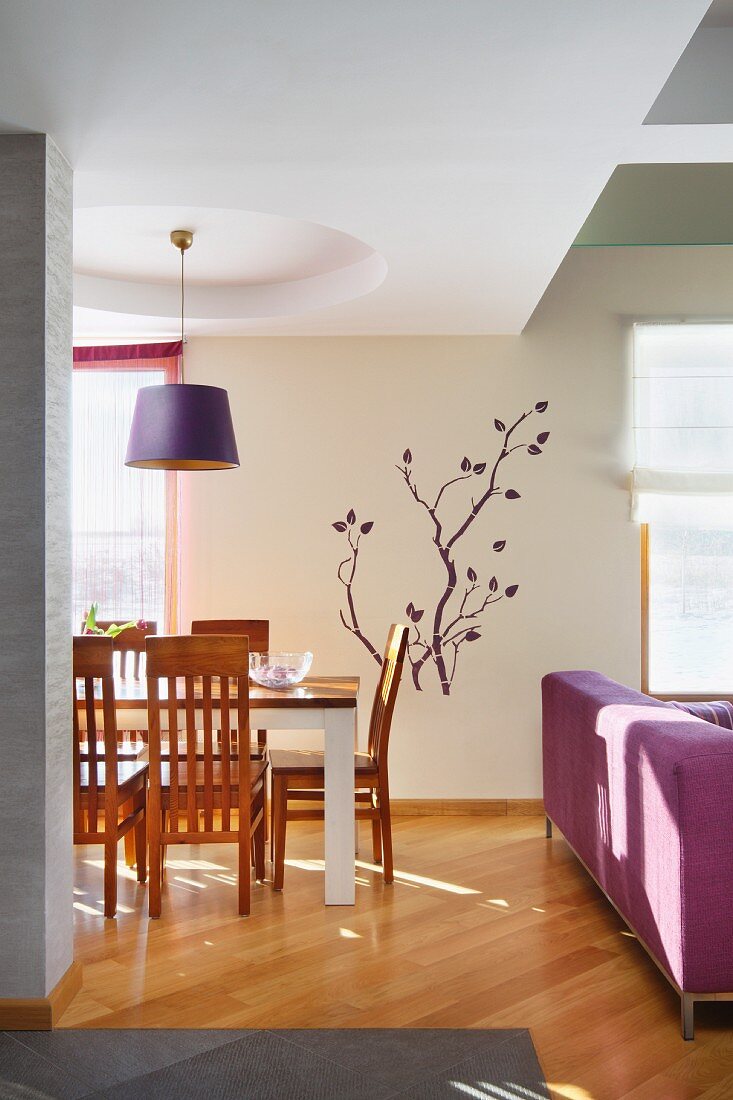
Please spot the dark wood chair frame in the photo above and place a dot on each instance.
(182, 812)
(130, 641)
(103, 783)
(128, 647)
(258, 632)
(299, 776)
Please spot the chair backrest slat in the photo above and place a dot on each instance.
(385, 695)
(193, 817)
(130, 642)
(92, 665)
(258, 633)
(257, 630)
(195, 666)
(208, 754)
(225, 754)
(172, 708)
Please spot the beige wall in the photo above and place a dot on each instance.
(321, 423)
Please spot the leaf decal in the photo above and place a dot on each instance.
(471, 574)
(351, 517)
(340, 526)
(512, 494)
(499, 545)
(541, 406)
(511, 590)
(407, 457)
(479, 467)
(417, 616)
(500, 425)
(466, 465)
(366, 527)
(472, 636)
(543, 437)
(533, 449)
(493, 584)
(410, 609)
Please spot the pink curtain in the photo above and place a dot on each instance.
(125, 521)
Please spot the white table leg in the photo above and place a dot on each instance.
(339, 790)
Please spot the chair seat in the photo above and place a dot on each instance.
(307, 762)
(126, 750)
(128, 773)
(254, 750)
(257, 769)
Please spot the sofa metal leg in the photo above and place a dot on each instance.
(688, 1016)
(548, 828)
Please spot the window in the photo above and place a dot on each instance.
(683, 493)
(690, 611)
(124, 522)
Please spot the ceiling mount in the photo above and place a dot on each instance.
(182, 238)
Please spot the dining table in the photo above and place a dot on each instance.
(317, 703)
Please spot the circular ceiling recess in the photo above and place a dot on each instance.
(242, 264)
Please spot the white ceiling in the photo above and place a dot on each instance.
(465, 141)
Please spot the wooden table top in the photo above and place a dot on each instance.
(313, 692)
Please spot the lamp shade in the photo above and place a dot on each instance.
(182, 427)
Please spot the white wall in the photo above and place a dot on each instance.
(321, 423)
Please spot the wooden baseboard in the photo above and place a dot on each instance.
(41, 1013)
(467, 807)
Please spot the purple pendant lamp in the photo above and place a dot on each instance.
(181, 426)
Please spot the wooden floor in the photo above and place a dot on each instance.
(489, 925)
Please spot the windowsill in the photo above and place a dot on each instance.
(691, 697)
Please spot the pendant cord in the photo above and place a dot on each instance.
(182, 301)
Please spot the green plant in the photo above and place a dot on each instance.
(90, 625)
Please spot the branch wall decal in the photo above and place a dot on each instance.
(457, 619)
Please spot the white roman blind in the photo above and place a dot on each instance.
(683, 425)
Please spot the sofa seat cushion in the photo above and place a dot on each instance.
(720, 713)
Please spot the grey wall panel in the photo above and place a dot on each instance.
(35, 382)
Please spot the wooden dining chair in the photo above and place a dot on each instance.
(104, 784)
(129, 645)
(258, 632)
(299, 775)
(207, 777)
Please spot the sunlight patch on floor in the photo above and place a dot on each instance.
(571, 1092)
(179, 886)
(306, 864)
(82, 908)
(484, 1090)
(420, 880)
(194, 865)
(120, 907)
(123, 871)
(348, 934)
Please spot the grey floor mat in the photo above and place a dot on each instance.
(334, 1064)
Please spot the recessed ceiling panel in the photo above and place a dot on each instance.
(242, 264)
(699, 90)
(663, 204)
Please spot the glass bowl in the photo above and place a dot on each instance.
(279, 670)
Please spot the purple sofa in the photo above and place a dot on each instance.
(643, 793)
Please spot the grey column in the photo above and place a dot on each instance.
(35, 565)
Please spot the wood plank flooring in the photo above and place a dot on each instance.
(488, 925)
